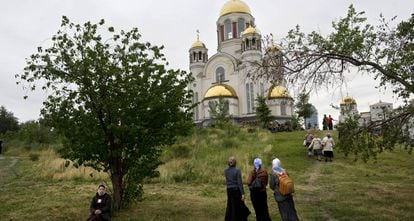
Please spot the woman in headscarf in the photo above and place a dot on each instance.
(236, 209)
(284, 202)
(257, 188)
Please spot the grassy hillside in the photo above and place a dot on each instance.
(191, 183)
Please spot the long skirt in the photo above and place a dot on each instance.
(287, 209)
(259, 201)
(236, 209)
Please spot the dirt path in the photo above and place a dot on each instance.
(313, 191)
(5, 168)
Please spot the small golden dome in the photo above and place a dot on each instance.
(278, 92)
(250, 30)
(220, 90)
(234, 6)
(348, 100)
(198, 44)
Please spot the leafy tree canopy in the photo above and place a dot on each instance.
(8, 122)
(112, 99)
(303, 107)
(386, 52)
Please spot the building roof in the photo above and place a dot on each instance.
(220, 90)
(278, 92)
(234, 6)
(348, 100)
(198, 44)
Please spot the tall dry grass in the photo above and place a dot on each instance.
(51, 166)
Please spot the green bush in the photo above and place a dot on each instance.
(34, 157)
(180, 150)
(186, 174)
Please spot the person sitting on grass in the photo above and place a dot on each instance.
(100, 209)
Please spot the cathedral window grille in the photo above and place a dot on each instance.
(227, 30)
(240, 26)
(250, 98)
(283, 108)
(234, 30)
(195, 101)
(222, 32)
(220, 74)
(261, 90)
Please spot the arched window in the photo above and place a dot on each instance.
(220, 74)
(227, 30)
(199, 56)
(240, 26)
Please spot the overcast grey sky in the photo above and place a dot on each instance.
(27, 24)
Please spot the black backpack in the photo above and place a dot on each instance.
(256, 184)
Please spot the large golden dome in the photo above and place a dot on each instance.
(234, 6)
(220, 90)
(348, 100)
(278, 92)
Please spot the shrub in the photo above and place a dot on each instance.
(34, 157)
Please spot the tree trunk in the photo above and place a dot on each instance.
(116, 179)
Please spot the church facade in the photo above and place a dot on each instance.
(226, 73)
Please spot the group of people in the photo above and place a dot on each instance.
(257, 181)
(318, 147)
(327, 122)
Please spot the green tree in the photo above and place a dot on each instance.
(386, 52)
(262, 111)
(219, 111)
(112, 99)
(8, 122)
(303, 107)
(36, 132)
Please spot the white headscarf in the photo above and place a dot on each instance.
(276, 166)
(257, 163)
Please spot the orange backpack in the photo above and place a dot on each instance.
(286, 185)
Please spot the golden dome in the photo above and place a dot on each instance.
(220, 90)
(250, 30)
(198, 44)
(234, 6)
(278, 92)
(348, 100)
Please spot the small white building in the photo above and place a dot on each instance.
(379, 111)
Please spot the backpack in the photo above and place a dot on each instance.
(286, 185)
(256, 184)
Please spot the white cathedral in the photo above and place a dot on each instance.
(225, 74)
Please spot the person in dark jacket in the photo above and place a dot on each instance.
(100, 209)
(258, 195)
(284, 202)
(236, 209)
